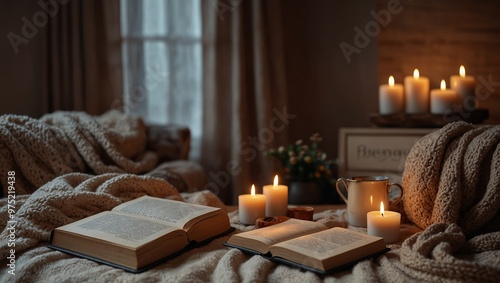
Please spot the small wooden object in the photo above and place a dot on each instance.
(270, 220)
(301, 212)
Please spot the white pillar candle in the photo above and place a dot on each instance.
(385, 224)
(464, 85)
(442, 100)
(251, 206)
(276, 199)
(390, 97)
(417, 93)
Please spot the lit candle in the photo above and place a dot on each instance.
(276, 199)
(417, 93)
(463, 85)
(384, 224)
(251, 206)
(390, 97)
(443, 99)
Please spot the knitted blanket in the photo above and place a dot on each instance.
(451, 187)
(438, 254)
(38, 150)
(453, 176)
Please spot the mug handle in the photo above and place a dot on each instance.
(344, 182)
(400, 197)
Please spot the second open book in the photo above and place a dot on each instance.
(309, 245)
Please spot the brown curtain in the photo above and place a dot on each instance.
(83, 56)
(244, 94)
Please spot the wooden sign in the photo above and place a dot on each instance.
(376, 151)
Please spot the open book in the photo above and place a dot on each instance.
(309, 245)
(141, 233)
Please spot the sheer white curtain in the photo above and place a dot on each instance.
(229, 50)
(162, 63)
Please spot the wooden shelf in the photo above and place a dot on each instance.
(427, 120)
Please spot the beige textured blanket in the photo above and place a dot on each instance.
(453, 176)
(439, 254)
(38, 150)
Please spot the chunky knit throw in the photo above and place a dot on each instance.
(442, 252)
(38, 150)
(453, 176)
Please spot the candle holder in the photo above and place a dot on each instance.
(301, 212)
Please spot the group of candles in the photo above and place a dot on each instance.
(274, 202)
(417, 98)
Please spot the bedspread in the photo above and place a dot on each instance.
(84, 169)
(438, 254)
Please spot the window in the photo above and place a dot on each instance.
(162, 62)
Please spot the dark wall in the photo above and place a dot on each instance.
(439, 36)
(328, 90)
(21, 72)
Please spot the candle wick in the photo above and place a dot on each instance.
(382, 214)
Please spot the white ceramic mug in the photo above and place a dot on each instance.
(364, 194)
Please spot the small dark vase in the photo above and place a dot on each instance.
(304, 193)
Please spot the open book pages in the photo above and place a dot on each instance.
(309, 245)
(124, 229)
(262, 239)
(199, 221)
(176, 213)
(141, 232)
(121, 239)
(328, 248)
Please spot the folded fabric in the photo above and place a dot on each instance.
(38, 150)
(441, 254)
(453, 176)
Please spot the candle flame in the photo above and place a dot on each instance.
(252, 192)
(443, 85)
(371, 200)
(382, 208)
(462, 71)
(275, 183)
(391, 81)
(416, 74)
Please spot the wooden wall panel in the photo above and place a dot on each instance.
(437, 37)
